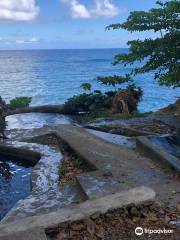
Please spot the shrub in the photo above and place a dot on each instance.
(89, 102)
(19, 102)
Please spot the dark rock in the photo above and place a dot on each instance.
(155, 207)
(148, 203)
(144, 211)
(95, 216)
(130, 206)
(134, 212)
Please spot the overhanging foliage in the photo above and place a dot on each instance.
(162, 54)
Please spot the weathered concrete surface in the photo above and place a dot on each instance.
(148, 148)
(35, 205)
(98, 184)
(125, 164)
(114, 138)
(30, 234)
(47, 159)
(137, 126)
(78, 212)
(128, 168)
(20, 151)
(116, 127)
(36, 120)
(25, 135)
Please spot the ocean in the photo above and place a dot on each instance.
(52, 76)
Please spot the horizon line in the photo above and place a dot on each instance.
(43, 49)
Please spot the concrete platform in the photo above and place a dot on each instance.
(75, 212)
(126, 165)
(128, 169)
(98, 184)
(159, 154)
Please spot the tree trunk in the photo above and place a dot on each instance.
(40, 109)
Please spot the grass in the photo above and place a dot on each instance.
(78, 162)
(63, 169)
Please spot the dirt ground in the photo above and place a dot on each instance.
(121, 224)
(172, 108)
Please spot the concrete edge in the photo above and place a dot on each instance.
(20, 153)
(92, 165)
(45, 160)
(126, 131)
(147, 148)
(103, 175)
(78, 212)
(81, 189)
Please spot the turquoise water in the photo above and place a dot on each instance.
(52, 76)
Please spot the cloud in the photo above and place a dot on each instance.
(104, 8)
(18, 10)
(20, 40)
(101, 9)
(77, 9)
(25, 41)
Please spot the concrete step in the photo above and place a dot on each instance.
(31, 234)
(76, 212)
(65, 195)
(97, 184)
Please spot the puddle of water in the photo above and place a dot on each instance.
(170, 143)
(36, 120)
(14, 183)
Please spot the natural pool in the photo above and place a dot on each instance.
(14, 183)
(36, 120)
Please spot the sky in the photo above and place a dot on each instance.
(66, 24)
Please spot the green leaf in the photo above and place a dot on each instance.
(113, 80)
(86, 86)
(160, 55)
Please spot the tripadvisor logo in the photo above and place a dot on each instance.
(139, 231)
